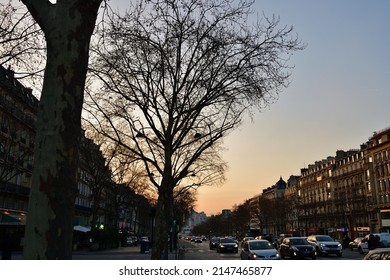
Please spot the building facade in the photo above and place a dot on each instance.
(97, 200)
(345, 194)
(377, 159)
(18, 109)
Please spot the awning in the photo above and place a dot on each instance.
(81, 228)
(12, 218)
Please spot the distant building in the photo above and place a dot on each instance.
(195, 219)
(226, 212)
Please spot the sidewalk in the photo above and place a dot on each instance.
(121, 253)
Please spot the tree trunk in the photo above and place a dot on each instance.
(68, 26)
(163, 220)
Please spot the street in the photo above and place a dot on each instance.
(201, 251)
(193, 251)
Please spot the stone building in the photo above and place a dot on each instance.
(18, 109)
(377, 166)
(315, 193)
(349, 213)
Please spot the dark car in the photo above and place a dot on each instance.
(213, 242)
(297, 247)
(227, 245)
(198, 239)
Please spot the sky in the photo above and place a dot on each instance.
(338, 96)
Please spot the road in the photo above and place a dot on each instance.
(201, 251)
(193, 251)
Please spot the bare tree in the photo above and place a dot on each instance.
(67, 26)
(173, 78)
(241, 217)
(15, 158)
(22, 43)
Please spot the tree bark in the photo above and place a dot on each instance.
(163, 222)
(68, 26)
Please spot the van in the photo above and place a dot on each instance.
(384, 241)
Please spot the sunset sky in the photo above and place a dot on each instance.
(339, 95)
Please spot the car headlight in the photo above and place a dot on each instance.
(235, 246)
(254, 256)
(339, 245)
(322, 244)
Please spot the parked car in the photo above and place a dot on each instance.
(227, 245)
(258, 250)
(132, 241)
(378, 240)
(354, 244)
(325, 245)
(297, 247)
(378, 254)
(213, 242)
(145, 239)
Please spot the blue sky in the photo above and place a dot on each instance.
(339, 95)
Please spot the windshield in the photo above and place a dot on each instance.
(260, 245)
(300, 241)
(324, 238)
(226, 240)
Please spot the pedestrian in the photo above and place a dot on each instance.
(346, 241)
(371, 242)
(377, 242)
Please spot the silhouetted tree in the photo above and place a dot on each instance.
(173, 78)
(241, 217)
(22, 43)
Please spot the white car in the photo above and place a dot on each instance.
(259, 250)
(325, 245)
(383, 238)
